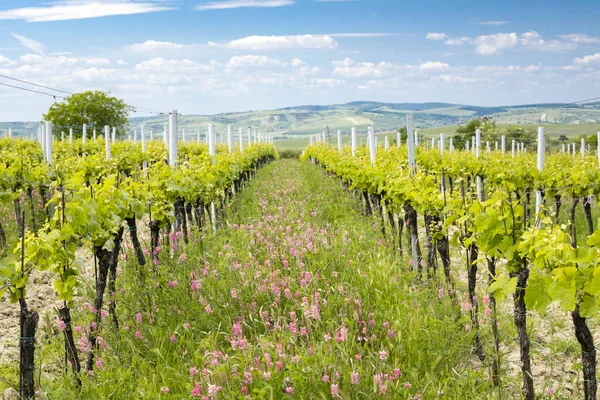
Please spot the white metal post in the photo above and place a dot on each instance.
(513, 148)
(451, 146)
(94, 134)
(43, 138)
(353, 138)
(503, 144)
(173, 138)
(372, 145)
(229, 139)
(540, 166)
(339, 140)
(582, 147)
(212, 142)
(114, 135)
(84, 134)
(597, 146)
(386, 143)
(9, 132)
(70, 135)
(143, 138)
(410, 141)
(107, 141)
(49, 140)
(442, 144)
(477, 154)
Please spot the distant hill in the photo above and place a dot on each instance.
(301, 120)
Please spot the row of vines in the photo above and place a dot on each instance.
(482, 207)
(90, 202)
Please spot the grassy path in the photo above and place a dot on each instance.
(297, 295)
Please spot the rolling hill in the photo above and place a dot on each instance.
(295, 121)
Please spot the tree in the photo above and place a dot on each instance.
(522, 133)
(465, 132)
(403, 135)
(94, 108)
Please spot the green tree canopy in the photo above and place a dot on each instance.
(465, 132)
(94, 108)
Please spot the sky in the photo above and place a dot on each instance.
(214, 56)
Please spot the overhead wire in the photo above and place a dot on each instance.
(141, 109)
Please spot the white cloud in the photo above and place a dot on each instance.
(169, 66)
(593, 58)
(31, 58)
(153, 45)
(227, 4)
(361, 35)
(31, 44)
(433, 65)
(326, 82)
(282, 42)
(5, 61)
(492, 22)
(93, 74)
(80, 9)
(122, 62)
(253, 61)
(348, 68)
(490, 44)
(580, 38)
(458, 41)
(307, 71)
(96, 61)
(296, 62)
(534, 41)
(435, 36)
(506, 70)
(450, 78)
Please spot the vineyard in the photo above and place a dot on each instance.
(160, 269)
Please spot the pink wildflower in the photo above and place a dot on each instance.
(164, 389)
(138, 334)
(354, 378)
(61, 325)
(335, 390)
(196, 390)
(383, 355)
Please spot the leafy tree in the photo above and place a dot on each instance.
(521, 133)
(94, 108)
(563, 138)
(403, 135)
(465, 132)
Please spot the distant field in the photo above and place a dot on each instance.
(554, 130)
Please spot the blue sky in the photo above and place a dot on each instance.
(205, 57)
